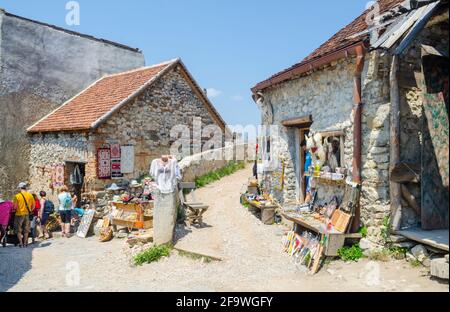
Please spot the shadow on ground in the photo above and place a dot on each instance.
(15, 262)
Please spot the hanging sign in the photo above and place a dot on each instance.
(116, 172)
(85, 224)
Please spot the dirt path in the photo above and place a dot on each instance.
(252, 255)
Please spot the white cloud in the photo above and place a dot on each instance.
(212, 93)
(237, 98)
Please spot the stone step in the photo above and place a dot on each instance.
(439, 268)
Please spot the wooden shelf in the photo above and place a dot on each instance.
(330, 182)
(322, 180)
(336, 239)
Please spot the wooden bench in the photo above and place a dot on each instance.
(194, 210)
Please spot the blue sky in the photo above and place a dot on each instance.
(228, 46)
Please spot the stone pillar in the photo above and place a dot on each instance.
(164, 218)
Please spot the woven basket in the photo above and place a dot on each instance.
(106, 234)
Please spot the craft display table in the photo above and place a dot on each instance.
(133, 215)
(267, 212)
(335, 239)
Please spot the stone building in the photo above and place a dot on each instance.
(42, 66)
(366, 88)
(135, 109)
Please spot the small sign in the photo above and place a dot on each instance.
(85, 224)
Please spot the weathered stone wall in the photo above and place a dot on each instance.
(327, 95)
(435, 35)
(145, 123)
(198, 165)
(375, 200)
(40, 68)
(48, 150)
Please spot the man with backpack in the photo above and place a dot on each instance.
(47, 209)
(24, 205)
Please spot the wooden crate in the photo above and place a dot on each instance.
(148, 223)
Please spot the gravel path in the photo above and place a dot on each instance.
(253, 260)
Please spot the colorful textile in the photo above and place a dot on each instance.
(5, 212)
(115, 150)
(127, 159)
(104, 163)
(58, 176)
(116, 172)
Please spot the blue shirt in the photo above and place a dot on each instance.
(65, 201)
(308, 161)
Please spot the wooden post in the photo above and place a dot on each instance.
(357, 131)
(395, 188)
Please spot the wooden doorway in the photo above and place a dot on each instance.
(302, 132)
(75, 173)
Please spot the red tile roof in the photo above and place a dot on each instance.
(339, 41)
(85, 109)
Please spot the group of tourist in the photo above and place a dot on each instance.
(28, 214)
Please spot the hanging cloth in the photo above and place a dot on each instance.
(75, 177)
(165, 174)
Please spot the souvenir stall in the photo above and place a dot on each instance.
(322, 223)
(261, 194)
(260, 202)
(134, 208)
(123, 209)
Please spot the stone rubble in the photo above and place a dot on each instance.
(420, 253)
(439, 268)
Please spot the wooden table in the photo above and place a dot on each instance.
(267, 211)
(143, 221)
(336, 239)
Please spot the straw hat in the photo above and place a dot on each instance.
(113, 187)
(135, 183)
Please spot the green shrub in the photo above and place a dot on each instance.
(398, 252)
(211, 177)
(153, 254)
(363, 231)
(385, 229)
(353, 253)
(415, 263)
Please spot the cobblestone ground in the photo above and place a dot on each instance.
(251, 252)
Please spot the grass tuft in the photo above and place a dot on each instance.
(353, 253)
(214, 176)
(194, 256)
(153, 254)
